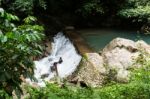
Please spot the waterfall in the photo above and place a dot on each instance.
(63, 49)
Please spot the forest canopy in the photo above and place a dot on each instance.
(137, 10)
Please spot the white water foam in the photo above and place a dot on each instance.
(61, 48)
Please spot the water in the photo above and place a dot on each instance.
(99, 38)
(61, 48)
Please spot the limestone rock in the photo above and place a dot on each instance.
(97, 61)
(143, 46)
(123, 76)
(121, 43)
(120, 55)
(119, 58)
(91, 70)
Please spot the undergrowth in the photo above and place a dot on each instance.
(137, 88)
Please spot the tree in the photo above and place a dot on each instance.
(88, 7)
(138, 10)
(18, 44)
(25, 6)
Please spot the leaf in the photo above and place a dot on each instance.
(15, 57)
(30, 19)
(2, 77)
(4, 39)
(28, 38)
(1, 10)
(17, 45)
(18, 93)
(7, 75)
(37, 51)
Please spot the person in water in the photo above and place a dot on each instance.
(54, 67)
(60, 60)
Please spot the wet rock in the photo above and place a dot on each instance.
(48, 46)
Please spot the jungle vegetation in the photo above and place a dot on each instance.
(24, 24)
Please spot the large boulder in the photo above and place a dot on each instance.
(97, 61)
(143, 46)
(120, 55)
(91, 70)
(121, 43)
(114, 63)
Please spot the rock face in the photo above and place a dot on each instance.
(91, 70)
(143, 46)
(120, 55)
(97, 61)
(117, 57)
(121, 43)
(48, 46)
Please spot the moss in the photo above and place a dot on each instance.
(85, 57)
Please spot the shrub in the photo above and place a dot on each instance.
(25, 6)
(136, 89)
(18, 44)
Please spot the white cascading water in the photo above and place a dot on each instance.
(61, 48)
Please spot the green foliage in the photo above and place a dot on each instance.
(5, 21)
(0, 1)
(91, 7)
(132, 90)
(30, 19)
(53, 91)
(25, 6)
(4, 95)
(138, 9)
(137, 88)
(125, 91)
(18, 44)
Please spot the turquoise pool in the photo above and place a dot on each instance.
(99, 38)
